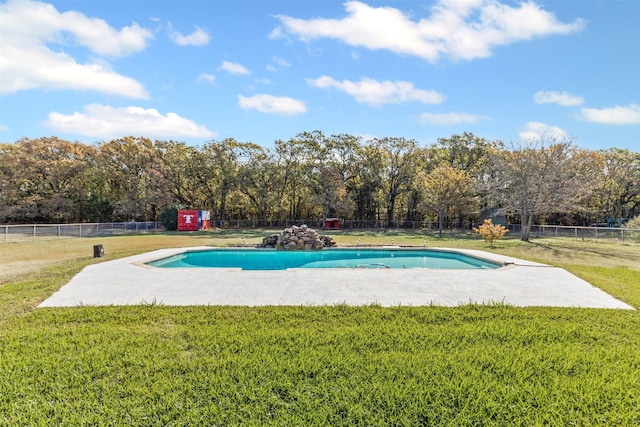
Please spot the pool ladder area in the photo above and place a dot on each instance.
(374, 265)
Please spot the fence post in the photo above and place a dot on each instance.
(622, 233)
(58, 232)
(34, 232)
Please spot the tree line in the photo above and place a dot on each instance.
(453, 182)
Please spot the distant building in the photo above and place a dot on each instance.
(496, 215)
(332, 224)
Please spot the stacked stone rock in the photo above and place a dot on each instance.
(269, 242)
(327, 241)
(297, 238)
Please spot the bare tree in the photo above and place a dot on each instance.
(536, 177)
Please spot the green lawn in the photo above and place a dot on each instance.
(470, 365)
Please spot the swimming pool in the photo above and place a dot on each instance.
(268, 259)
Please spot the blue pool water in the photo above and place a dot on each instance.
(256, 259)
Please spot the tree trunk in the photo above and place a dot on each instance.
(525, 224)
(390, 208)
(440, 221)
(223, 209)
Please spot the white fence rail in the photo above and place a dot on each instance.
(33, 232)
(619, 234)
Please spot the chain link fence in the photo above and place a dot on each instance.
(345, 224)
(612, 234)
(33, 232)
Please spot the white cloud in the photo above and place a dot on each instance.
(27, 61)
(376, 93)
(209, 78)
(272, 104)
(561, 98)
(233, 68)
(40, 68)
(4, 127)
(629, 115)
(104, 121)
(199, 37)
(276, 33)
(281, 62)
(450, 118)
(459, 29)
(535, 131)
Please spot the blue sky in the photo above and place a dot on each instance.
(259, 71)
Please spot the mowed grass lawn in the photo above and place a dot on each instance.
(154, 365)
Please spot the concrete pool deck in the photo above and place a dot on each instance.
(127, 281)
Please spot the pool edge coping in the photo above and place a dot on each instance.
(110, 283)
(506, 262)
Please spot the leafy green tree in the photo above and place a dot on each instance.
(331, 169)
(446, 189)
(464, 152)
(469, 153)
(296, 159)
(129, 174)
(181, 167)
(258, 180)
(367, 184)
(221, 173)
(634, 223)
(397, 168)
(316, 176)
(617, 192)
(43, 179)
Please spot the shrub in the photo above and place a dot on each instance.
(633, 223)
(169, 217)
(491, 232)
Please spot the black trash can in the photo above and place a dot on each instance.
(98, 251)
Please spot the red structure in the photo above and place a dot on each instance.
(204, 220)
(193, 220)
(188, 220)
(332, 224)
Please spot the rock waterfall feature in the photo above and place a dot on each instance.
(297, 238)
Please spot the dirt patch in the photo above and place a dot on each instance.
(11, 270)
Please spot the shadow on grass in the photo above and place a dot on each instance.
(560, 248)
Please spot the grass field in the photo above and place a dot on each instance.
(339, 365)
